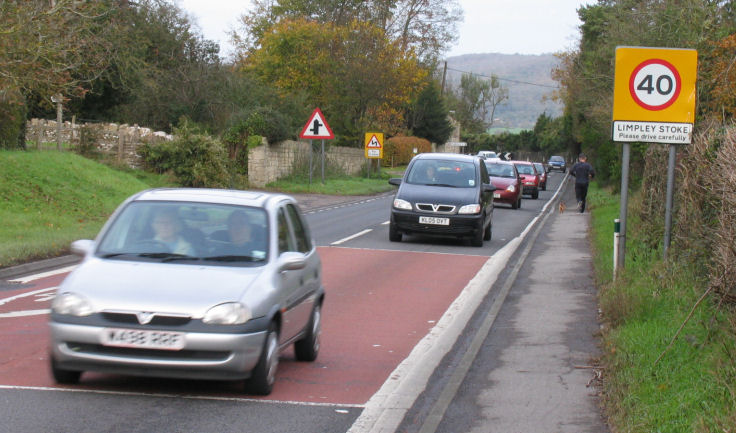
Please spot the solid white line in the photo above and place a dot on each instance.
(352, 237)
(24, 313)
(190, 397)
(24, 295)
(44, 275)
(386, 223)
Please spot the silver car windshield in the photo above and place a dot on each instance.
(187, 233)
(454, 174)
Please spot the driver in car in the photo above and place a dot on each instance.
(167, 228)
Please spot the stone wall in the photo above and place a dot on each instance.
(120, 141)
(270, 162)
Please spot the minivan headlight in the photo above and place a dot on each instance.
(402, 204)
(71, 304)
(469, 209)
(230, 313)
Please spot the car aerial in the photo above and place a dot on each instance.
(191, 283)
(557, 162)
(507, 181)
(529, 178)
(488, 154)
(542, 175)
(443, 194)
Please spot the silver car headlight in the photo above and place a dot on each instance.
(230, 313)
(402, 204)
(510, 188)
(71, 304)
(469, 209)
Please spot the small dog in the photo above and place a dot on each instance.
(562, 206)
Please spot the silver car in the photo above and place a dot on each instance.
(191, 283)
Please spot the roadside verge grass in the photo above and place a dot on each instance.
(692, 388)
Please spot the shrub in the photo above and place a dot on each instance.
(399, 150)
(195, 158)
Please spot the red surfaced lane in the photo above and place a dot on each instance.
(379, 305)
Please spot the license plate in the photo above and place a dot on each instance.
(435, 221)
(142, 339)
(496, 195)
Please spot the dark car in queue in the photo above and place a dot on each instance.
(542, 175)
(194, 284)
(557, 162)
(529, 178)
(507, 181)
(443, 194)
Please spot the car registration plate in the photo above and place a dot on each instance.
(434, 221)
(143, 339)
(496, 195)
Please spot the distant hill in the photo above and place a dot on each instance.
(525, 102)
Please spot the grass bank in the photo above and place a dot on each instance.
(649, 385)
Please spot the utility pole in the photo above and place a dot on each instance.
(444, 74)
(57, 99)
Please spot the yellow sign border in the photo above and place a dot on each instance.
(368, 137)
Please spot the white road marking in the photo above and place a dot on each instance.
(25, 295)
(190, 397)
(352, 237)
(44, 275)
(24, 313)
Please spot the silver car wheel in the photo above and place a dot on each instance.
(272, 358)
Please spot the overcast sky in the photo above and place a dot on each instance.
(490, 26)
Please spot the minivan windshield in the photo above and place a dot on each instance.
(435, 172)
(556, 158)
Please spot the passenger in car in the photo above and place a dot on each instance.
(244, 238)
(167, 230)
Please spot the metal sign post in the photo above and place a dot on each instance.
(317, 128)
(653, 102)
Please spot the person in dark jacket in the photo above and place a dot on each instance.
(582, 172)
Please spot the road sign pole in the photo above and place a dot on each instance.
(624, 203)
(310, 162)
(323, 161)
(669, 200)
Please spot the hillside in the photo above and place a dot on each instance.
(525, 101)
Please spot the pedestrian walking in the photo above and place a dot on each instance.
(582, 172)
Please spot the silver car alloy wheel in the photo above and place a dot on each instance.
(272, 357)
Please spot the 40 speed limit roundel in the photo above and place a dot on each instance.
(655, 84)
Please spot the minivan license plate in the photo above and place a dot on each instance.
(434, 220)
(143, 339)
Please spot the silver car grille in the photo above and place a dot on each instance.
(144, 318)
(436, 208)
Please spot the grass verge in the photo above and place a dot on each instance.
(692, 387)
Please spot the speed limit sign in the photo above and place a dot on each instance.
(655, 84)
(654, 94)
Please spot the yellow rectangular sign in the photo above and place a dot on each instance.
(654, 95)
(374, 145)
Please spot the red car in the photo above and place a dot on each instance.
(542, 175)
(506, 179)
(529, 178)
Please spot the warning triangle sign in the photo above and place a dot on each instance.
(317, 127)
(374, 143)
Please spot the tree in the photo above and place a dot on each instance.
(426, 27)
(429, 117)
(48, 49)
(358, 77)
(475, 101)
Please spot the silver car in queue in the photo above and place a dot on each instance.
(202, 306)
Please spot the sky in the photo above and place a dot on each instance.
(490, 26)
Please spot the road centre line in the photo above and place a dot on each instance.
(352, 237)
(386, 409)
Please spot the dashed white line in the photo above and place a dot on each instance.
(351, 237)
